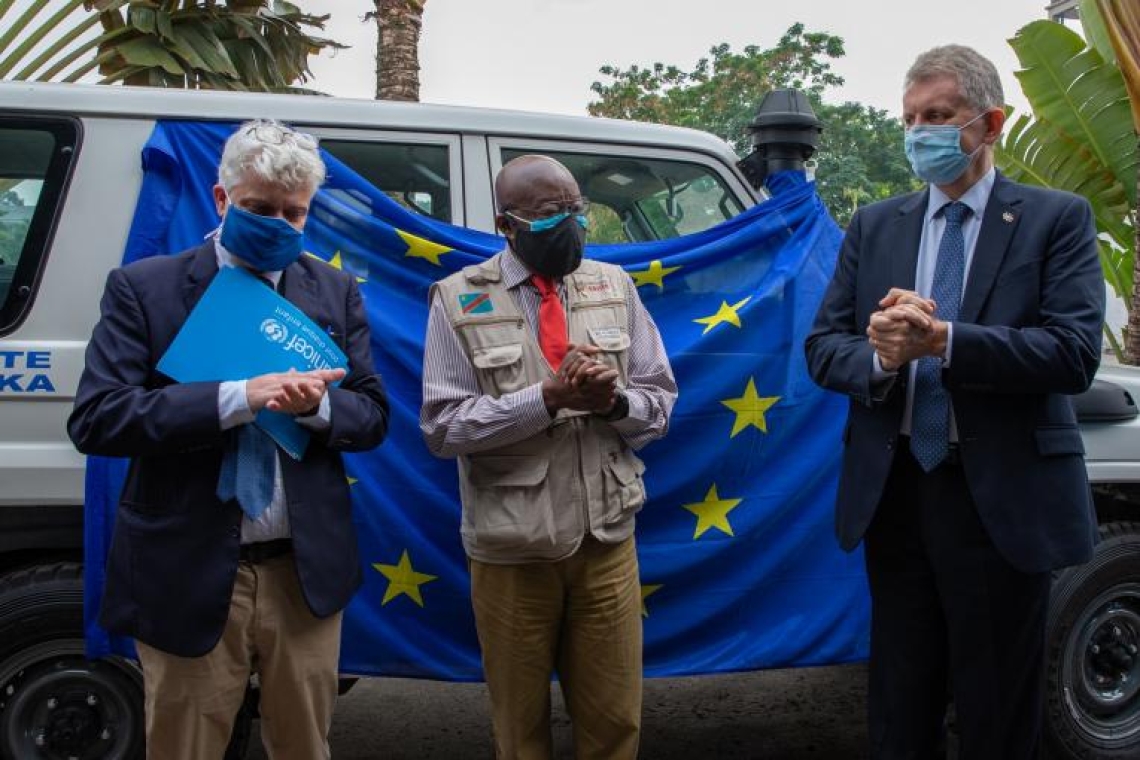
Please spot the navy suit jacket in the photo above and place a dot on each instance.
(174, 555)
(1028, 335)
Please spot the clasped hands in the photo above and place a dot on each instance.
(292, 392)
(583, 382)
(906, 329)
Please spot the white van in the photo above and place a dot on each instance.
(69, 177)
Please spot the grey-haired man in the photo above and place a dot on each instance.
(228, 558)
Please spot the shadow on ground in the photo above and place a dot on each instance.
(801, 714)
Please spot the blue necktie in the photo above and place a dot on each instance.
(248, 468)
(249, 465)
(930, 415)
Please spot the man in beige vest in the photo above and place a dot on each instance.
(542, 373)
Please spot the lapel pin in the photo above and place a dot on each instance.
(1007, 217)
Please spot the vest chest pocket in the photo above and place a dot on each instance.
(500, 368)
(625, 489)
(614, 342)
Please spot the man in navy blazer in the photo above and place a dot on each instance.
(228, 558)
(958, 322)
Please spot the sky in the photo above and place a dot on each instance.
(542, 55)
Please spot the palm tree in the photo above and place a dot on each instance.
(230, 45)
(398, 24)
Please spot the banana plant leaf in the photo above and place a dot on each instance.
(1071, 86)
(1096, 33)
(1119, 22)
(1036, 152)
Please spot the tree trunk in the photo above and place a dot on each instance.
(398, 24)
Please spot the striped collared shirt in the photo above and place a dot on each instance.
(458, 418)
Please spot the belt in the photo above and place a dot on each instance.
(263, 551)
(953, 452)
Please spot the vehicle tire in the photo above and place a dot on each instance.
(1092, 641)
(54, 702)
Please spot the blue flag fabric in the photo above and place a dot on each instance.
(739, 566)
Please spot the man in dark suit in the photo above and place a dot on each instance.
(958, 321)
(228, 558)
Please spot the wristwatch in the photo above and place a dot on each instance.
(620, 409)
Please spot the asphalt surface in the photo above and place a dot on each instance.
(800, 714)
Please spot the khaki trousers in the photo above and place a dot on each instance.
(191, 702)
(581, 617)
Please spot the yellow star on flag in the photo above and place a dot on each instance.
(725, 313)
(423, 249)
(646, 590)
(713, 513)
(336, 262)
(655, 275)
(351, 480)
(750, 409)
(402, 579)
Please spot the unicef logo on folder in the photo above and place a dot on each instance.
(274, 331)
(241, 329)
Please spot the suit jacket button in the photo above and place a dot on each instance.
(890, 445)
(235, 532)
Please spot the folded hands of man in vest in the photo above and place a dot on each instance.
(583, 382)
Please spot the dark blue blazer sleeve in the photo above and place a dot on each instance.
(121, 407)
(1052, 304)
(839, 356)
(358, 406)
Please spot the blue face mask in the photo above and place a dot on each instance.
(550, 222)
(935, 151)
(266, 243)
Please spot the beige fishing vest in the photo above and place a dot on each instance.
(537, 498)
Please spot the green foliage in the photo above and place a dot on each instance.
(1096, 31)
(720, 94)
(237, 45)
(15, 219)
(1080, 138)
(1072, 87)
(12, 241)
(860, 158)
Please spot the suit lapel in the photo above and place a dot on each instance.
(298, 287)
(203, 267)
(999, 222)
(908, 233)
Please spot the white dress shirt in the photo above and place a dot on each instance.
(233, 410)
(933, 225)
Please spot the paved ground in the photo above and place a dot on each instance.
(802, 714)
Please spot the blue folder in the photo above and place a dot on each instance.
(241, 329)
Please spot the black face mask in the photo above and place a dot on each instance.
(555, 252)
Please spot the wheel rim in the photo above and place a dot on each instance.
(1101, 668)
(57, 705)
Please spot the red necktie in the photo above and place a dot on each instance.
(551, 321)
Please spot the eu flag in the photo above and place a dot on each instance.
(739, 567)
